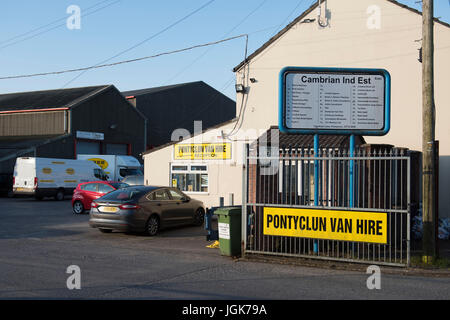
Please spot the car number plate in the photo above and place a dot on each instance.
(109, 209)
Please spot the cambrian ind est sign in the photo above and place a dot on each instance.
(355, 226)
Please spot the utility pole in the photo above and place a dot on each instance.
(429, 218)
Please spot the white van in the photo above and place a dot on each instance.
(116, 167)
(48, 177)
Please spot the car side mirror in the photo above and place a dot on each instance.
(186, 199)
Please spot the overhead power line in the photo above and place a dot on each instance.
(145, 40)
(32, 33)
(287, 18)
(225, 35)
(124, 61)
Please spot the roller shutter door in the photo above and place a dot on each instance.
(117, 148)
(88, 147)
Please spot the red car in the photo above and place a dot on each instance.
(86, 192)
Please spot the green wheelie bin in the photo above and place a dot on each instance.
(229, 220)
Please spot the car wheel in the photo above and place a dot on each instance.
(105, 230)
(199, 217)
(59, 195)
(152, 225)
(78, 207)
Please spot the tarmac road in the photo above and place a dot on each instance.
(40, 239)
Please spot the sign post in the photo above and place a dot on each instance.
(335, 101)
(316, 181)
(351, 170)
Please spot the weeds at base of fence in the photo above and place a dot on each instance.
(438, 262)
(434, 272)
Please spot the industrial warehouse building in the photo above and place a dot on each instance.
(66, 122)
(209, 165)
(101, 120)
(177, 106)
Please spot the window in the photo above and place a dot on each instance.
(90, 187)
(158, 195)
(130, 172)
(119, 185)
(179, 168)
(100, 174)
(176, 195)
(134, 180)
(198, 168)
(125, 194)
(104, 188)
(190, 178)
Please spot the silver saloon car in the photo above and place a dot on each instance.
(145, 209)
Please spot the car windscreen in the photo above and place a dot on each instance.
(130, 172)
(134, 180)
(125, 194)
(119, 185)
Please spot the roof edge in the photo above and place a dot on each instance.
(404, 6)
(277, 36)
(191, 136)
(138, 92)
(88, 96)
(303, 15)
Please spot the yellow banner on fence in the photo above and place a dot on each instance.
(326, 224)
(202, 151)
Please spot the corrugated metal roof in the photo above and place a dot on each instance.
(46, 99)
(157, 89)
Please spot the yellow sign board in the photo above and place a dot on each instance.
(102, 163)
(356, 226)
(202, 151)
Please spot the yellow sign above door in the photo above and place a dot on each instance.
(202, 151)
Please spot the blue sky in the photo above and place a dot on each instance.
(34, 38)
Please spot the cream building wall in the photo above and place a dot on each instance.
(352, 39)
(360, 34)
(224, 176)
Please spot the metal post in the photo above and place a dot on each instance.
(352, 153)
(316, 181)
(316, 170)
(244, 201)
(408, 217)
(231, 199)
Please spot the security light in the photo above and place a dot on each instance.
(239, 87)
